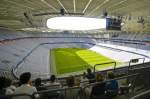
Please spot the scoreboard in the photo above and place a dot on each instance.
(113, 24)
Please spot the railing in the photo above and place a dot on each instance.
(135, 61)
(105, 64)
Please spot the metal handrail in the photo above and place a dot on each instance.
(135, 59)
(104, 64)
(141, 68)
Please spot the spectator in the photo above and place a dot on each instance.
(38, 82)
(26, 87)
(84, 80)
(98, 90)
(53, 80)
(77, 81)
(3, 88)
(39, 86)
(112, 85)
(2, 85)
(70, 81)
(90, 76)
(10, 88)
(71, 93)
(53, 84)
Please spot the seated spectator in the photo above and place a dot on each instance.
(77, 81)
(38, 82)
(2, 85)
(70, 81)
(53, 84)
(112, 85)
(26, 87)
(84, 81)
(98, 90)
(39, 85)
(90, 76)
(10, 88)
(71, 93)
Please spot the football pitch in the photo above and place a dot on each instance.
(68, 60)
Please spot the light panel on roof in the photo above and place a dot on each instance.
(76, 23)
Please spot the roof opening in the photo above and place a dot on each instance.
(76, 23)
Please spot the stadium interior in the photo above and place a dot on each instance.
(27, 44)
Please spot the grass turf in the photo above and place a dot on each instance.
(69, 60)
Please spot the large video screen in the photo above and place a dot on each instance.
(113, 24)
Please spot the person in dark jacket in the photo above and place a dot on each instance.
(38, 84)
(98, 90)
(112, 85)
(3, 85)
(90, 76)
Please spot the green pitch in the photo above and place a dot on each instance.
(67, 60)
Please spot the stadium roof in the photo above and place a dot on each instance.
(21, 14)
